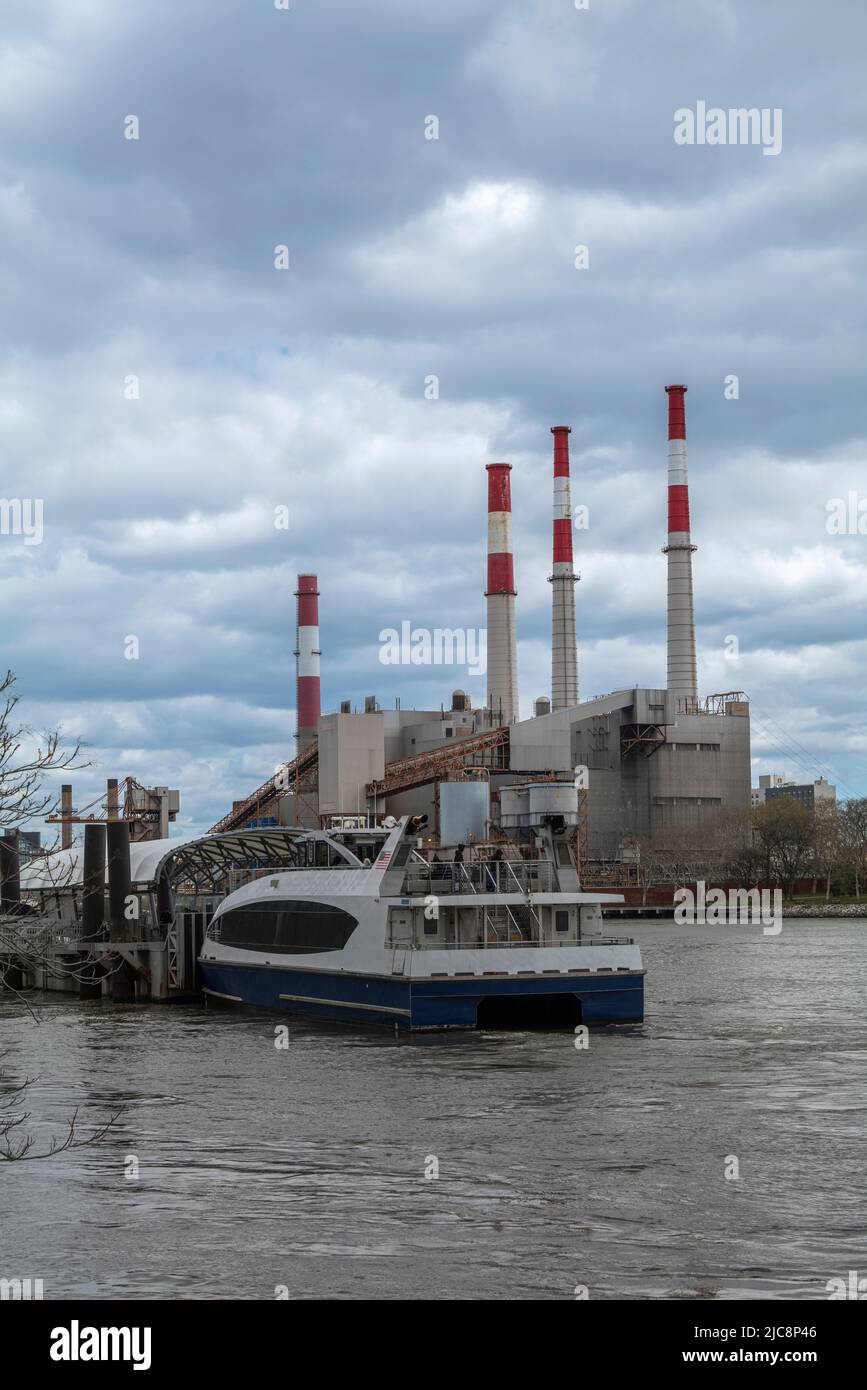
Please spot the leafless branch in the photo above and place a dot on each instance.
(14, 1147)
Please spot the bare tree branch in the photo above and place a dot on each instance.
(14, 1148)
(25, 760)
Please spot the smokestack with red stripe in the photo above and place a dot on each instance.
(307, 653)
(500, 593)
(564, 650)
(681, 621)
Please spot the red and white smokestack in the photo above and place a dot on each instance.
(307, 653)
(681, 620)
(564, 649)
(500, 593)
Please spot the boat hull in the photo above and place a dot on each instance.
(424, 1003)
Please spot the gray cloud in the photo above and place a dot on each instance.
(411, 257)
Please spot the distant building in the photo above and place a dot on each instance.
(808, 793)
(766, 781)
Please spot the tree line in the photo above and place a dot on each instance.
(774, 845)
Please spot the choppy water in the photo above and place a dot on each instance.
(606, 1168)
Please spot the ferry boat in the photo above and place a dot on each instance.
(500, 940)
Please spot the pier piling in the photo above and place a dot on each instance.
(93, 925)
(119, 890)
(10, 897)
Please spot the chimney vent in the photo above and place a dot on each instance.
(681, 619)
(307, 655)
(564, 648)
(500, 593)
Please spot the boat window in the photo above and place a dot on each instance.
(293, 928)
(561, 921)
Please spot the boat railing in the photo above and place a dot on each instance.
(239, 878)
(479, 876)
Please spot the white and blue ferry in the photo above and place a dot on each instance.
(501, 940)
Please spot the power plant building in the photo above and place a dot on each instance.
(646, 762)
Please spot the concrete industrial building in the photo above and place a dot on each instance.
(648, 761)
(649, 768)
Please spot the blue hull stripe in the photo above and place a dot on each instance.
(617, 997)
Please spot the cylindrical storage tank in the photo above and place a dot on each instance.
(514, 807)
(464, 811)
(542, 706)
(553, 799)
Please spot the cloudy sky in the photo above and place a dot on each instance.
(153, 259)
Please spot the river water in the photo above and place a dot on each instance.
(305, 1167)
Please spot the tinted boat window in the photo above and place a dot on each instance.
(292, 928)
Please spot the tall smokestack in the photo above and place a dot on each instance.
(307, 653)
(681, 621)
(564, 650)
(500, 593)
